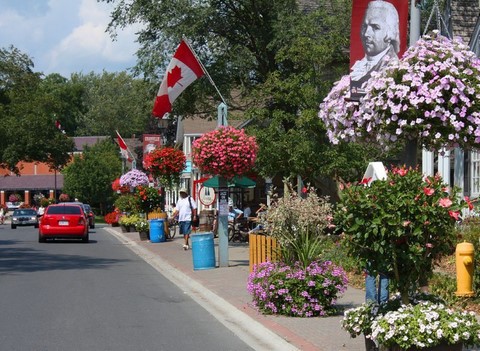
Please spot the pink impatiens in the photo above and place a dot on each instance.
(226, 151)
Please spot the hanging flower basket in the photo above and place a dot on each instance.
(430, 95)
(226, 151)
(133, 178)
(166, 164)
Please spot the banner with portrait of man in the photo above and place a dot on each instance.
(378, 35)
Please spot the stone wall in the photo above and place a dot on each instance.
(464, 14)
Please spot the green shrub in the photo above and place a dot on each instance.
(128, 203)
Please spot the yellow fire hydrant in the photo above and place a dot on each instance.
(464, 262)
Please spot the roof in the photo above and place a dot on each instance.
(200, 126)
(31, 182)
(80, 142)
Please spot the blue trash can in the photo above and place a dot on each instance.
(203, 251)
(157, 233)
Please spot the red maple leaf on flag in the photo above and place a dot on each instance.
(174, 76)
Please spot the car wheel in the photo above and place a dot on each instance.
(14, 226)
(86, 239)
(41, 239)
(92, 226)
(36, 225)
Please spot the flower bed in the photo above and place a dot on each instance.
(296, 291)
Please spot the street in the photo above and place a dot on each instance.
(68, 295)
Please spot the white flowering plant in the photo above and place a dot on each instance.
(429, 95)
(425, 325)
(424, 322)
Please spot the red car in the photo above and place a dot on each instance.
(63, 221)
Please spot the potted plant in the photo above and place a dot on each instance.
(426, 322)
(150, 198)
(166, 164)
(128, 203)
(124, 223)
(128, 222)
(143, 228)
(400, 225)
(112, 218)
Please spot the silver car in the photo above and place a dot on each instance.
(24, 217)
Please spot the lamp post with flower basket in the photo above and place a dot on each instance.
(226, 152)
(400, 225)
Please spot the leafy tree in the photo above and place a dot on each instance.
(275, 61)
(64, 100)
(28, 132)
(113, 101)
(90, 175)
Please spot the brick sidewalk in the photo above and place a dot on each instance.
(229, 283)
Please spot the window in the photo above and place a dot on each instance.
(475, 174)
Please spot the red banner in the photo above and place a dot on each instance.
(150, 142)
(378, 33)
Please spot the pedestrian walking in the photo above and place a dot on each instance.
(186, 210)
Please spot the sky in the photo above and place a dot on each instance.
(66, 36)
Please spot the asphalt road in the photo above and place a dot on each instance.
(67, 295)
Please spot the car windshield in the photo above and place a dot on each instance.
(87, 208)
(24, 213)
(64, 210)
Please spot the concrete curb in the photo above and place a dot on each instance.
(248, 329)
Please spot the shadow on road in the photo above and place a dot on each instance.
(31, 260)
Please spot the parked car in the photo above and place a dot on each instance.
(63, 221)
(88, 212)
(24, 217)
(90, 215)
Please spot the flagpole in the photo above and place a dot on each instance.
(134, 160)
(204, 69)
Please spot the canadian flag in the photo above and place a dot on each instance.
(182, 71)
(123, 146)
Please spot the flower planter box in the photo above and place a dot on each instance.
(443, 347)
(125, 228)
(144, 236)
(263, 248)
(370, 346)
